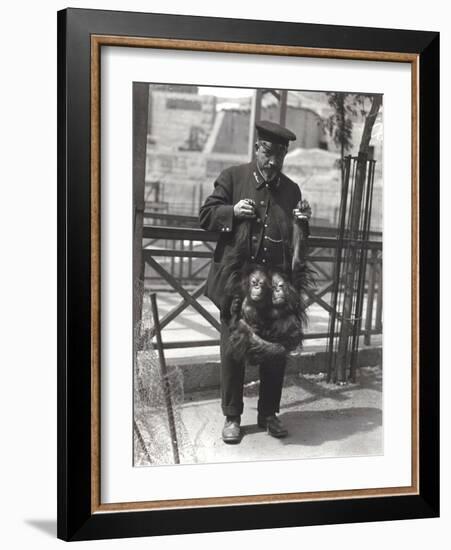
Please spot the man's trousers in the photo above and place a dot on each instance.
(232, 381)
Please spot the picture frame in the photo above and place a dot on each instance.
(81, 35)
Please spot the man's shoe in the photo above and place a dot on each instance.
(231, 433)
(272, 425)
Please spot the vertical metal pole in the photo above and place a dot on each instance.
(140, 121)
(193, 201)
(201, 194)
(164, 378)
(283, 107)
(157, 192)
(379, 299)
(255, 117)
(337, 264)
(173, 259)
(370, 297)
(347, 325)
(190, 261)
(365, 229)
(181, 260)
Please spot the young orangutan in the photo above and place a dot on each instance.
(267, 320)
(287, 316)
(251, 317)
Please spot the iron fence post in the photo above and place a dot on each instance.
(370, 297)
(379, 298)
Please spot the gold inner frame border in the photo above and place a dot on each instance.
(97, 41)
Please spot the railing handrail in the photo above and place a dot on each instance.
(193, 222)
(195, 234)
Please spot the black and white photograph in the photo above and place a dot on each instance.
(257, 274)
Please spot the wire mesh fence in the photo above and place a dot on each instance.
(155, 419)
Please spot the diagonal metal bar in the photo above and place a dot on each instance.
(314, 264)
(199, 269)
(182, 305)
(319, 301)
(313, 251)
(327, 288)
(174, 283)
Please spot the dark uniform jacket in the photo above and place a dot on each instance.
(270, 232)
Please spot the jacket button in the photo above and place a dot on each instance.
(262, 203)
(254, 238)
(264, 261)
(252, 257)
(258, 220)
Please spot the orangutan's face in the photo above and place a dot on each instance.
(278, 290)
(258, 286)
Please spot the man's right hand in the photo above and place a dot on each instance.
(244, 209)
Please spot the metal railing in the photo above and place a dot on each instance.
(177, 259)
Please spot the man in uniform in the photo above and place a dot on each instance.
(256, 192)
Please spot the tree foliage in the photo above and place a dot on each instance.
(346, 109)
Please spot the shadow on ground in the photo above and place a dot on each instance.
(47, 526)
(313, 428)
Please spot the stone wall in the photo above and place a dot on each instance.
(173, 115)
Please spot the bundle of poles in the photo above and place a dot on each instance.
(349, 272)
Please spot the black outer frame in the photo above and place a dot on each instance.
(75, 520)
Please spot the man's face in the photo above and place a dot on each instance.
(270, 157)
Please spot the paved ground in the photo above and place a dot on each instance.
(324, 420)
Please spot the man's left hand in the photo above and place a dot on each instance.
(303, 212)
